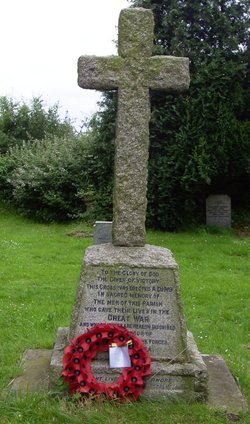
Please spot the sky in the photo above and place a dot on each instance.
(41, 41)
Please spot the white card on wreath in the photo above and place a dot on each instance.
(119, 357)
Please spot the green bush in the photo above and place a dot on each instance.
(47, 170)
(48, 179)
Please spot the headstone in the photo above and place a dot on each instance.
(127, 282)
(102, 232)
(218, 210)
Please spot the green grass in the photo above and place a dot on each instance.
(39, 272)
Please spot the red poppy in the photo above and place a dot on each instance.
(77, 363)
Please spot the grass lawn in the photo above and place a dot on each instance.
(39, 272)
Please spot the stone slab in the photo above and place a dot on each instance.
(35, 378)
(137, 287)
(168, 380)
(218, 210)
(102, 232)
(223, 391)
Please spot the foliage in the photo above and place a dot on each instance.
(199, 141)
(198, 146)
(47, 179)
(50, 172)
(102, 130)
(60, 177)
(22, 122)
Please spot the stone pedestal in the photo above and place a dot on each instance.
(137, 287)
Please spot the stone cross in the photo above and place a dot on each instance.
(133, 72)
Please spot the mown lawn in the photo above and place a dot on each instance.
(39, 272)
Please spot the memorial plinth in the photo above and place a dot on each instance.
(138, 287)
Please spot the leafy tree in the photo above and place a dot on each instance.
(50, 172)
(199, 140)
(100, 169)
(21, 122)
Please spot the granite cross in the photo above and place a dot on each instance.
(133, 72)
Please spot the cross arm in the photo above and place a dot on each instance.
(99, 73)
(168, 73)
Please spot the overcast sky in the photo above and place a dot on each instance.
(41, 41)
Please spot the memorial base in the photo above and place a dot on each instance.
(175, 381)
(138, 288)
(135, 287)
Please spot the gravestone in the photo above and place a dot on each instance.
(218, 210)
(102, 232)
(127, 282)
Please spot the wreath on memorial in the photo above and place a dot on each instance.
(77, 363)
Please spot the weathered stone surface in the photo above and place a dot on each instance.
(99, 73)
(133, 72)
(35, 377)
(56, 363)
(218, 210)
(131, 173)
(223, 392)
(102, 232)
(136, 287)
(136, 28)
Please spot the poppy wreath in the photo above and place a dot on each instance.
(77, 363)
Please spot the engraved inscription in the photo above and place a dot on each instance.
(162, 382)
(143, 300)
